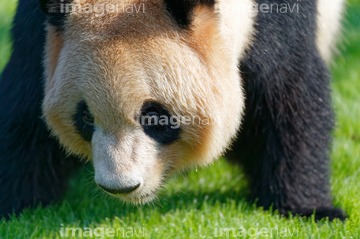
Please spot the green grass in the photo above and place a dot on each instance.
(7, 9)
(208, 199)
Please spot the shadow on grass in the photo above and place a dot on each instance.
(86, 204)
(84, 195)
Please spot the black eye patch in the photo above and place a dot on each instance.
(182, 11)
(159, 124)
(84, 121)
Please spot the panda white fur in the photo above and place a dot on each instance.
(179, 59)
(329, 26)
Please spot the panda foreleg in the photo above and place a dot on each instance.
(33, 169)
(284, 145)
(286, 133)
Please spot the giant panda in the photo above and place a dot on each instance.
(79, 82)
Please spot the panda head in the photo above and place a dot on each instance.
(143, 88)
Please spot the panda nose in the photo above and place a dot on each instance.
(120, 190)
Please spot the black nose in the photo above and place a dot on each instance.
(120, 190)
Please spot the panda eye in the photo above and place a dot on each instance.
(87, 118)
(151, 118)
(84, 121)
(158, 124)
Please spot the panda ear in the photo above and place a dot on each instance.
(182, 11)
(55, 11)
(50, 6)
(54, 6)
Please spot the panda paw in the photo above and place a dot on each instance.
(319, 213)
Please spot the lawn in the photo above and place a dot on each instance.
(210, 202)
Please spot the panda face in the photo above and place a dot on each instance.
(141, 95)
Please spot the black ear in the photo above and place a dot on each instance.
(56, 11)
(182, 11)
(51, 6)
(44, 5)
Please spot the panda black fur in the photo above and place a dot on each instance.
(283, 143)
(286, 133)
(32, 166)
